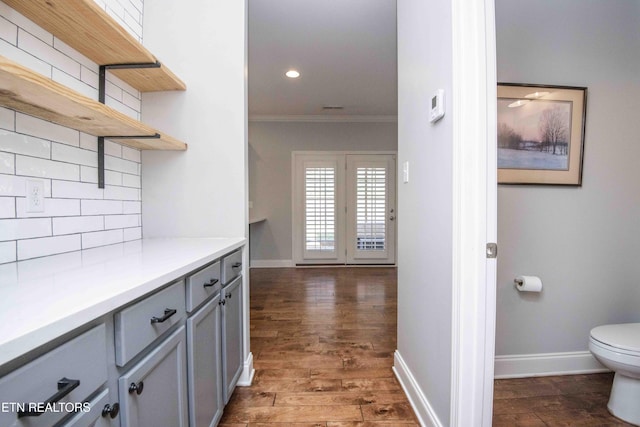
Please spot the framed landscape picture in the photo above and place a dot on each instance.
(540, 134)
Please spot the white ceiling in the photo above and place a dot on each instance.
(345, 51)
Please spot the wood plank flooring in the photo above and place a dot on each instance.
(323, 342)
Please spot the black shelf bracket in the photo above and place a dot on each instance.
(102, 90)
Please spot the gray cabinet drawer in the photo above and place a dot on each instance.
(231, 266)
(202, 285)
(94, 418)
(82, 359)
(142, 323)
(153, 393)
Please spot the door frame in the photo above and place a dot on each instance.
(296, 219)
(474, 212)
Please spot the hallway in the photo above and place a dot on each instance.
(323, 342)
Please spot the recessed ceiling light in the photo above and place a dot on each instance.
(292, 74)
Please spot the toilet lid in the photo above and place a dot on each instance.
(625, 336)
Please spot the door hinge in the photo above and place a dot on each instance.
(492, 250)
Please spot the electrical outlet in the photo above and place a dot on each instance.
(35, 195)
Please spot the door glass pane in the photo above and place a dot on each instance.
(371, 209)
(320, 203)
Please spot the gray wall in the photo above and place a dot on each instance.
(425, 227)
(270, 147)
(583, 242)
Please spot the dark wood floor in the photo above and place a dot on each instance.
(323, 341)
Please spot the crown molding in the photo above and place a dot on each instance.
(324, 118)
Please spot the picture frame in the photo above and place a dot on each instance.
(541, 130)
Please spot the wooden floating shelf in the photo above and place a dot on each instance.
(83, 25)
(24, 90)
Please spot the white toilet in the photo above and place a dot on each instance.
(618, 348)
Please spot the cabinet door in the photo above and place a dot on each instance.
(204, 365)
(154, 392)
(96, 417)
(231, 336)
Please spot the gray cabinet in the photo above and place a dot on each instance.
(63, 377)
(154, 391)
(204, 365)
(98, 416)
(232, 321)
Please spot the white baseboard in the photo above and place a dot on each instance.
(271, 263)
(545, 364)
(423, 410)
(246, 377)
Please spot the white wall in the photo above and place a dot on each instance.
(583, 242)
(270, 147)
(425, 203)
(77, 214)
(200, 192)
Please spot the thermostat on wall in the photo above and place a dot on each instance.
(437, 106)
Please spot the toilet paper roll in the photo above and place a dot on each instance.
(528, 283)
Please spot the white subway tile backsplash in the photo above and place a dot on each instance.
(132, 207)
(131, 101)
(25, 23)
(76, 190)
(7, 163)
(7, 207)
(89, 174)
(120, 165)
(88, 142)
(7, 119)
(121, 193)
(74, 84)
(90, 77)
(73, 54)
(52, 208)
(24, 144)
(79, 224)
(7, 252)
(131, 180)
(132, 154)
(12, 185)
(15, 229)
(132, 234)
(112, 149)
(47, 53)
(121, 221)
(77, 214)
(23, 58)
(33, 166)
(102, 207)
(8, 31)
(32, 248)
(46, 130)
(70, 154)
(101, 238)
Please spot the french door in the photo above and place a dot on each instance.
(344, 208)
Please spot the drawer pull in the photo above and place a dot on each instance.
(168, 312)
(65, 386)
(237, 265)
(229, 295)
(222, 302)
(111, 410)
(136, 388)
(211, 283)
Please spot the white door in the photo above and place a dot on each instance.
(371, 209)
(343, 208)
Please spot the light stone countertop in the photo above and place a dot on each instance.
(44, 298)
